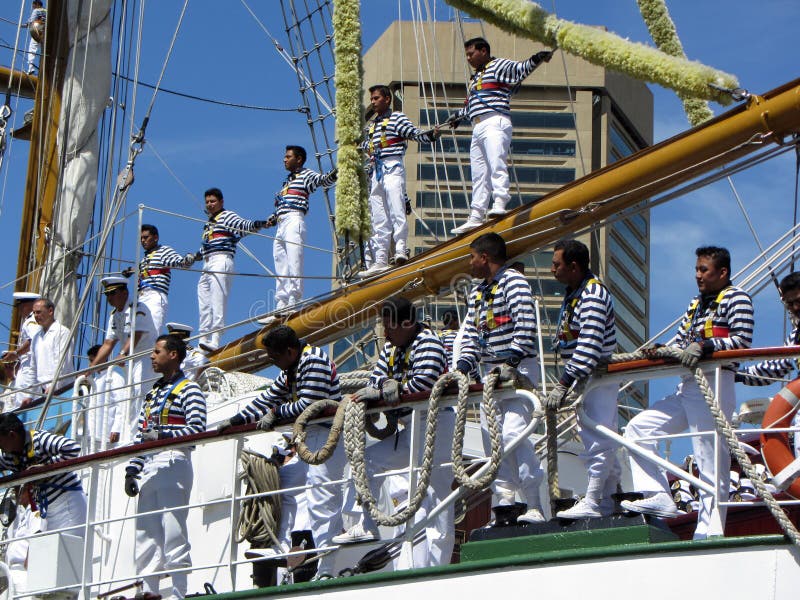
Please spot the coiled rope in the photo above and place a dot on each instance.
(259, 517)
(724, 427)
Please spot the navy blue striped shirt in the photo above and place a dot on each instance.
(174, 408)
(154, 269)
(727, 326)
(500, 321)
(490, 88)
(298, 187)
(777, 368)
(223, 231)
(313, 378)
(587, 330)
(385, 135)
(44, 448)
(416, 367)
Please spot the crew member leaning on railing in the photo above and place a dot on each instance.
(60, 498)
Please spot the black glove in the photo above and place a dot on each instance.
(131, 487)
(272, 220)
(739, 377)
(454, 121)
(691, 355)
(198, 255)
(408, 206)
(543, 56)
(463, 366)
(234, 421)
(259, 224)
(127, 272)
(188, 259)
(335, 174)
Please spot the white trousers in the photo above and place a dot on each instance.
(599, 456)
(293, 474)
(162, 540)
(33, 53)
(324, 499)
(142, 379)
(212, 296)
(387, 206)
(287, 250)
(158, 303)
(520, 470)
(68, 510)
(686, 409)
(393, 453)
(488, 159)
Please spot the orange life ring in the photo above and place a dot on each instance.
(775, 446)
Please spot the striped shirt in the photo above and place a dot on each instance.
(154, 270)
(500, 321)
(38, 14)
(586, 330)
(223, 231)
(416, 367)
(490, 87)
(777, 368)
(313, 378)
(298, 187)
(448, 340)
(727, 325)
(172, 407)
(44, 448)
(385, 135)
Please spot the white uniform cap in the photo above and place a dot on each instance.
(179, 329)
(26, 296)
(113, 282)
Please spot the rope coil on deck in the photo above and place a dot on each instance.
(259, 517)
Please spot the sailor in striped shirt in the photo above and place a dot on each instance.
(586, 335)
(155, 273)
(291, 206)
(385, 143)
(221, 233)
(719, 318)
(411, 361)
(60, 498)
(307, 375)
(769, 371)
(174, 408)
(37, 18)
(487, 107)
(500, 331)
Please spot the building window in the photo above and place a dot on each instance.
(620, 147)
(521, 147)
(429, 172)
(634, 296)
(460, 201)
(633, 322)
(630, 264)
(530, 119)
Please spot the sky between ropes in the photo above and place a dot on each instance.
(222, 53)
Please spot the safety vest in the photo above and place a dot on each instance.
(145, 271)
(709, 330)
(385, 141)
(208, 230)
(568, 309)
(163, 410)
(492, 85)
(491, 321)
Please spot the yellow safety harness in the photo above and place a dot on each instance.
(565, 334)
(385, 142)
(292, 379)
(709, 331)
(166, 405)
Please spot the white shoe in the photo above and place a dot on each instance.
(583, 509)
(657, 505)
(375, 269)
(532, 515)
(497, 210)
(355, 535)
(268, 320)
(468, 226)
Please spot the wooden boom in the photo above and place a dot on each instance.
(756, 124)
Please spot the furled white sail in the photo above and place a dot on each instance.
(87, 79)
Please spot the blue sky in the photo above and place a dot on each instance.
(222, 53)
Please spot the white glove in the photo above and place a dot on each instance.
(267, 422)
(691, 355)
(149, 435)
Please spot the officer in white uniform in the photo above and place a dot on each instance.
(138, 370)
(25, 378)
(174, 408)
(107, 404)
(195, 362)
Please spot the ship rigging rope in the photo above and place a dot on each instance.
(259, 517)
(724, 428)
